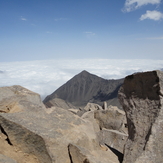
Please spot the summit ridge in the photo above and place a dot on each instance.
(86, 87)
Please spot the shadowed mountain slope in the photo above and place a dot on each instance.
(84, 88)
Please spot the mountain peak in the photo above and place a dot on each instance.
(84, 72)
(85, 75)
(85, 87)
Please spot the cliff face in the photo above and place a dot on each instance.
(142, 99)
(84, 88)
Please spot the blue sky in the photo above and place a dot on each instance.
(80, 29)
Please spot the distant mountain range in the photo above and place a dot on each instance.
(84, 88)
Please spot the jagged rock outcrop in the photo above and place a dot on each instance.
(89, 116)
(112, 118)
(57, 102)
(87, 108)
(92, 107)
(34, 134)
(77, 155)
(113, 139)
(110, 127)
(84, 88)
(11, 97)
(81, 155)
(142, 98)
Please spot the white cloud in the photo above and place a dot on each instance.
(131, 5)
(153, 15)
(44, 77)
(24, 19)
(89, 34)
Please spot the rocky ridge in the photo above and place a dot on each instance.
(84, 88)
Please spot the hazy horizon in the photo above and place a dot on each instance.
(45, 76)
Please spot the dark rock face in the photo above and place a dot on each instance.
(86, 87)
(142, 98)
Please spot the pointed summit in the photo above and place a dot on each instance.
(85, 87)
(84, 72)
(86, 77)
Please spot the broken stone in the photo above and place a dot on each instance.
(39, 135)
(142, 99)
(111, 119)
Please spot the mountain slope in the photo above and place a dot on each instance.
(86, 87)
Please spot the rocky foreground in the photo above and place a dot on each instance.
(32, 133)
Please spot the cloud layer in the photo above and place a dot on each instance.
(44, 77)
(131, 5)
(154, 15)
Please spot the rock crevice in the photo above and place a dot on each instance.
(7, 138)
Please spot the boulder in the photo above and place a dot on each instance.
(89, 116)
(113, 139)
(82, 155)
(21, 93)
(92, 107)
(104, 105)
(112, 118)
(109, 138)
(57, 102)
(77, 154)
(81, 111)
(35, 134)
(11, 97)
(142, 99)
(87, 108)
(75, 111)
